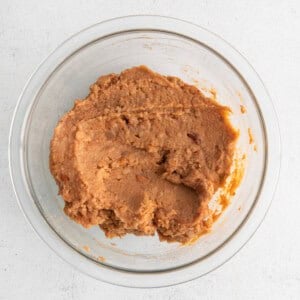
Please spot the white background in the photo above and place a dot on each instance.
(267, 33)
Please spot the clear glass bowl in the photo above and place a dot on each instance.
(168, 46)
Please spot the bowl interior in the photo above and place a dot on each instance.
(168, 54)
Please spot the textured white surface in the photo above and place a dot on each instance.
(268, 34)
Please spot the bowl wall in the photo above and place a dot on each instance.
(168, 54)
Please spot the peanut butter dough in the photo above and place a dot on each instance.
(143, 153)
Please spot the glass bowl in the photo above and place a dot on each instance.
(168, 46)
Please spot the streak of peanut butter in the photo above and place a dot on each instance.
(251, 139)
(231, 185)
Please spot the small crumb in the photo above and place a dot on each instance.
(243, 109)
(239, 209)
(86, 248)
(244, 156)
(101, 258)
(255, 148)
(251, 139)
(113, 244)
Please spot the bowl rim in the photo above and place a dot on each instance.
(253, 219)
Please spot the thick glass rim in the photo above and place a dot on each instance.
(66, 251)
